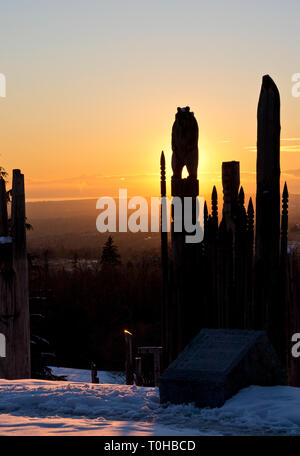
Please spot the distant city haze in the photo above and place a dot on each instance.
(68, 227)
(93, 88)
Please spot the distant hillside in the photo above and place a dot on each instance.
(66, 227)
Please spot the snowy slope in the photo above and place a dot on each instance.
(39, 407)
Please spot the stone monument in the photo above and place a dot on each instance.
(217, 364)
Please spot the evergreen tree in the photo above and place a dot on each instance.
(110, 255)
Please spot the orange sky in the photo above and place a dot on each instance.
(92, 92)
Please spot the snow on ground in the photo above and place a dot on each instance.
(82, 375)
(26, 426)
(37, 407)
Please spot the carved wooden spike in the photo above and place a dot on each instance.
(284, 220)
(250, 228)
(285, 193)
(242, 196)
(205, 219)
(250, 213)
(163, 174)
(214, 205)
(242, 215)
(3, 209)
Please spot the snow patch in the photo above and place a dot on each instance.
(38, 407)
(84, 376)
(5, 240)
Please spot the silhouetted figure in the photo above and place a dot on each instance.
(185, 143)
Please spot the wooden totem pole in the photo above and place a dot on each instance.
(267, 239)
(14, 305)
(185, 321)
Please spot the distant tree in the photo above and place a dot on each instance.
(110, 255)
(28, 226)
(75, 261)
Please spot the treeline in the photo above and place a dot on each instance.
(83, 312)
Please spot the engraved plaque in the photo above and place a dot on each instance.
(214, 351)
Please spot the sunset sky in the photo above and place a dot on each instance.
(93, 87)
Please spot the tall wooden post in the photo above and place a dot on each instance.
(284, 221)
(292, 298)
(183, 271)
(165, 325)
(250, 226)
(3, 209)
(231, 184)
(210, 271)
(249, 313)
(95, 378)
(138, 371)
(129, 358)
(214, 210)
(156, 352)
(184, 264)
(157, 368)
(224, 270)
(238, 308)
(285, 314)
(205, 219)
(228, 312)
(14, 304)
(267, 240)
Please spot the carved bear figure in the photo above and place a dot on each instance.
(185, 134)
